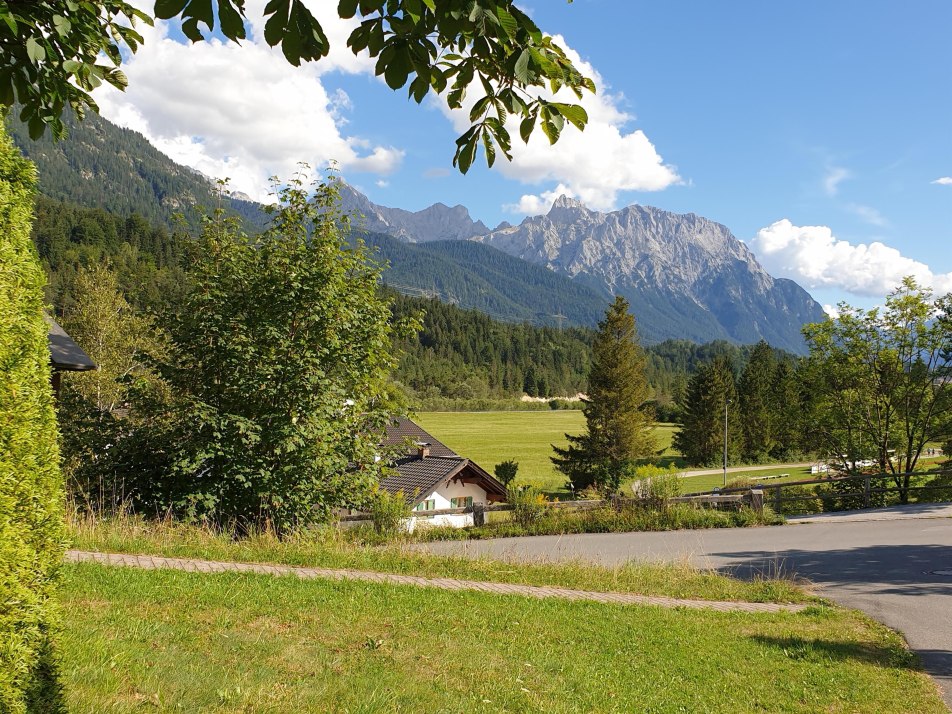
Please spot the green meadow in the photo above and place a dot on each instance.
(527, 437)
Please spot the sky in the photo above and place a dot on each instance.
(820, 133)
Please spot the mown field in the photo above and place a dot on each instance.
(527, 437)
(170, 641)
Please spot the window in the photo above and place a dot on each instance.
(461, 502)
(427, 505)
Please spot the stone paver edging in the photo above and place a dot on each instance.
(151, 562)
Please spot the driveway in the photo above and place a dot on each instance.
(897, 570)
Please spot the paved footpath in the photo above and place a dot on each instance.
(149, 562)
(893, 564)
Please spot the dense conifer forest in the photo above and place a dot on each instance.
(459, 354)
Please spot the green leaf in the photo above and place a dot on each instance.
(72, 66)
(232, 21)
(490, 149)
(167, 9)
(507, 22)
(191, 31)
(526, 127)
(398, 69)
(347, 8)
(35, 51)
(275, 27)
(521, 72)
(573, 112)
(62, 25)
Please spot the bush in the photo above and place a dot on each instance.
(388, 512)
(529, 505)
(31, 491)
(656, 484)
(506, 471)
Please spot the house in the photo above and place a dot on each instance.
(431, 476)
(65, 354)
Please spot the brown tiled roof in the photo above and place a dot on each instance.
(417, 478)
(403, 429)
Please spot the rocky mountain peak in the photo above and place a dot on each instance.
(566, 210)
(686, 276)
(436, 222)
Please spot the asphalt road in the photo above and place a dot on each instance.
(897, 571)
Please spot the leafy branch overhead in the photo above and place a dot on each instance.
(489, 49)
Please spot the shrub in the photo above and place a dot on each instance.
(529, 506)
(31, 491)
(656, 484)
(388, 511)
(506, 471)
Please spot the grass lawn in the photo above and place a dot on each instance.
(329, 549)
(693, 484)
(490, 437)
(170, 641)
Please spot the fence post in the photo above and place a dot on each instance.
(479, 514)
(777, 498)
(866, 494)
(757, 500)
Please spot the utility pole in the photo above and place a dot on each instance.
(559, 318)
(726, 404)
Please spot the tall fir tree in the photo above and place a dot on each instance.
(787, 404)
(618, 416)
(756, 402)
(702, 434)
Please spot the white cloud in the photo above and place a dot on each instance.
(533, 205)
(594, 165)
(242, 111)
(868, 214)
(835, 175)
(815, 258)
(832, 311)
(944, 181)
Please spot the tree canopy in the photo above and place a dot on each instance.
(879, 382)
(53, 54)
(618, 415)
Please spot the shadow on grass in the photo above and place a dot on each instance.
(45, 694)
(818, 650)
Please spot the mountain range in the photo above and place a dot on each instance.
(685, 276)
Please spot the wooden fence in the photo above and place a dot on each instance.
(753, 498)
(776, 498)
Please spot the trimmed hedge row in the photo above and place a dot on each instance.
(31, 491)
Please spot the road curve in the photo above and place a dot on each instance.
(897, 571)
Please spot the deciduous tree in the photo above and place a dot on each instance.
(54, 52)
(880, 381)
(278, 363)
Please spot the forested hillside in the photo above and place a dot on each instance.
(105, 166)
(459, 354)
(483, 278)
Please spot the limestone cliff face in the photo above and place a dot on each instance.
(438, 222)
(686, 276)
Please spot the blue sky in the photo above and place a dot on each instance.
(817, 132)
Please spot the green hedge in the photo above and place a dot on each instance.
(31, 492)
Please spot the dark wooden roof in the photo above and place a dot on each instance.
(65, 354)
(402, 429)
(417, 477)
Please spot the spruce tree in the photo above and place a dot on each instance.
(756, 403)
(618, 417)
(787, 407)
(701, 437)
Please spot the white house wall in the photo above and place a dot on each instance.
(442, 496)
